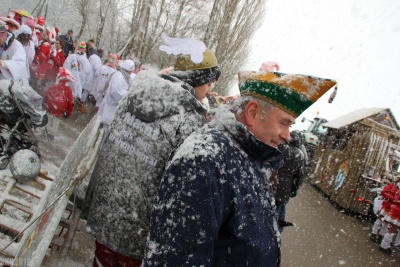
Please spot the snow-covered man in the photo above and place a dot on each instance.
(215, 205)
(12, 57)
(156, 115)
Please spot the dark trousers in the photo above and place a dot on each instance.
(281, 212)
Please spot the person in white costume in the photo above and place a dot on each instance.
(79, 67)
(118, 87)
(95, 64)
(12, 58)
(102, 76)
(24, 35)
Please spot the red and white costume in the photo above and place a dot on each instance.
(58, 98)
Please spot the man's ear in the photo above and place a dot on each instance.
(251, 112)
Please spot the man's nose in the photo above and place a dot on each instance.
(286, 135)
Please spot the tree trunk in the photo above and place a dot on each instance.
(104, 7)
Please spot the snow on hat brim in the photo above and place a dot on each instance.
(293, 93)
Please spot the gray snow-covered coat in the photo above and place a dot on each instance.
(214, 206)
(156, 115)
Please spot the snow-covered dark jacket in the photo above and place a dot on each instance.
(214, 207)
(291, 175)
(152, 119)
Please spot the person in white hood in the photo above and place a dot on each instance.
(118, 87)
(79, 66)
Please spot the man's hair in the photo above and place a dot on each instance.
(70, 31)
(240, 104)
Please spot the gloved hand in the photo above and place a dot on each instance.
(293, 194)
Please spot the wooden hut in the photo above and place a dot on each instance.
(352, 158)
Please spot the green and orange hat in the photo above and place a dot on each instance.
(293, 93)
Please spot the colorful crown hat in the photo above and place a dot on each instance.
(82, 45)
(293, 93)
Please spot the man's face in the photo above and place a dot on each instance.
(272, 126)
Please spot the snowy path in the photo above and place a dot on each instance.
(325, 236)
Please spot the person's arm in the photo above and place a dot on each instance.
(59, 59)
(186, 215)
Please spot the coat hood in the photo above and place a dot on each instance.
(152, 97)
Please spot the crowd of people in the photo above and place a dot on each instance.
(62, 70)
(180, 183)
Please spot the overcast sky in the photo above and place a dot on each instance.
(356, 42)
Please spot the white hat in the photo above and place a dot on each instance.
(128, 65)
(24, 29)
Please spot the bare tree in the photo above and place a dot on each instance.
(83, 10)
(39, 8)
(133, 27)
(103, 12)
(226, 27)
(231, 26)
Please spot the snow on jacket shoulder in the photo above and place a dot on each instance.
(151, 120)
(212, 207)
